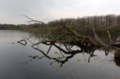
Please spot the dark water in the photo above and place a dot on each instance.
(25, 62)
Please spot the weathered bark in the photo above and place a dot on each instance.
(113, 43)
(109, 36)
(95, 35)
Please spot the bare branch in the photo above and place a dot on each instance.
(109, 36)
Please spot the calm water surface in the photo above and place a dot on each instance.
(25, 62)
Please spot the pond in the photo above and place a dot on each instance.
(47, 61)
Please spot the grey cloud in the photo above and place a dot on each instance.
(46, 10)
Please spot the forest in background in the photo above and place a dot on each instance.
(81, 25)
(12, 26)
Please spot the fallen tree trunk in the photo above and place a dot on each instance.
(74, 37)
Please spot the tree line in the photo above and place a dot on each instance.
(11, 26)
(100, 21)
(84, 25)
(81, 25)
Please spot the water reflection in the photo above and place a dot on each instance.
(69, 51)
(64, 48)
(21, 42)
(21, 61)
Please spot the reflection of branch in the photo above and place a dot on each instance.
(89, 49)
(67, 47)
(73, 52)
(22, 43)
(49, 49)
(56, 60)
(106, 52)
(91, 55)
(68, 52)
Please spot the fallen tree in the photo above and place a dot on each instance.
(74, 37)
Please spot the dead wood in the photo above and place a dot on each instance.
(109, 36)
(74, 37)
(95, 35)
(40, 22)
(23, 40)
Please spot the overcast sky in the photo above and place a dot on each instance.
(47, 10)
